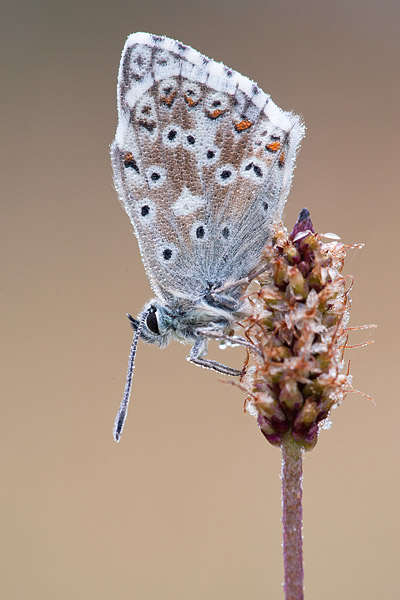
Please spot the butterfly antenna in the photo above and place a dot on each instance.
(123, 408)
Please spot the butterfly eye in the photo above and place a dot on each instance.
(151, 321)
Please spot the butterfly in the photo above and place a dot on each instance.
(202, 162)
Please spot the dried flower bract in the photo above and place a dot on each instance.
(298, 331)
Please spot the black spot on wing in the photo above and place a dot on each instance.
(167, 254)
(200, 232)
(225, 232)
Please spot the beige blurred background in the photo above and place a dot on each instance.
(188, 504)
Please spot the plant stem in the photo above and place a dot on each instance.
(292, 517)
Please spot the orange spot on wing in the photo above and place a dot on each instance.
(168, 100)
(243, 125)
(129, 161)
(274, 146)
(190, 101)
(216, 113)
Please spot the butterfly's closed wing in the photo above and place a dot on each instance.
(202, 160)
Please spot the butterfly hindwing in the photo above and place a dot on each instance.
(202, 160)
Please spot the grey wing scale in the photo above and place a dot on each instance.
(203, 161)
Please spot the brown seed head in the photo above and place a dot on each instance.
(298, 330)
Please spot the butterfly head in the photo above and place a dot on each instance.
(183, 322)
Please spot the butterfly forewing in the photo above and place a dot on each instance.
(202, 161)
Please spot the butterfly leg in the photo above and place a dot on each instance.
(195, 357)
(223, 301)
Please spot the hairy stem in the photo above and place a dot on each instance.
(292, 518)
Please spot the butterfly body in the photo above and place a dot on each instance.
(186, 321)
(202, 161)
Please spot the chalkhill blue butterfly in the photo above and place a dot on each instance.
(203, 161)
